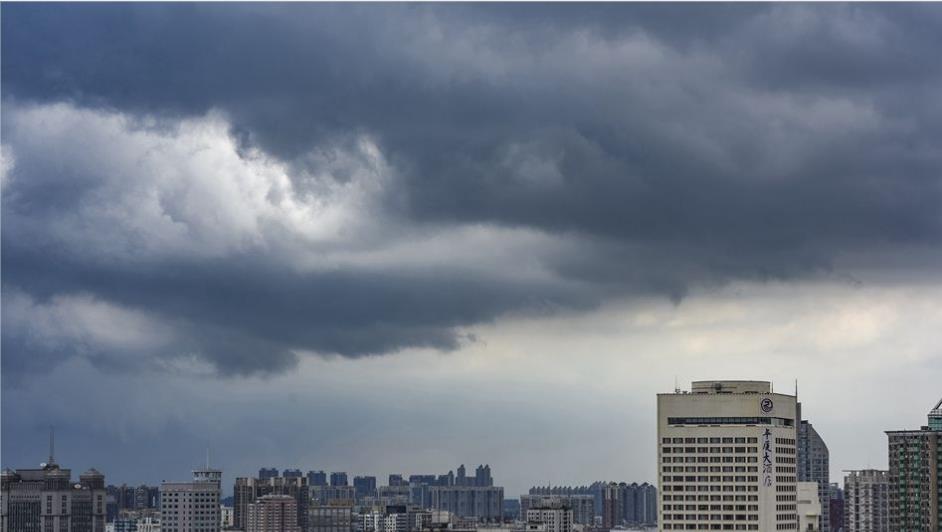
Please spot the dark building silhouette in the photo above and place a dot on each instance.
(316, 478)
(338, 479)
(267, 472)
(292, 473)
(364, 487)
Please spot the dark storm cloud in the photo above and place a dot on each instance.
(679, 144)
(245, 315)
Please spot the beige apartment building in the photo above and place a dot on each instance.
(726, 458)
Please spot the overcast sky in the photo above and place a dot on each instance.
(397, 238)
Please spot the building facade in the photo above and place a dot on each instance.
(582, 506)
(550, 516)
(483, 503)
(192, 506)
(364, 486)
(267, 472)
(316, 478)
(613, 510)
(330, 518)
(144, 520)
(866, 501)
(915, 476)
(814, 466)
(727, 458)
(836, 508)
(809, 507)
(248, 490)
(46, 500)
(326, 495)
(273, 513)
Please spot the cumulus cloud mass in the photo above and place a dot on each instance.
(206, 198)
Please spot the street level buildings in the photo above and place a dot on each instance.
(727, 458)
(866, 501)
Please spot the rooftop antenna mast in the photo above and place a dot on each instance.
(52, 445)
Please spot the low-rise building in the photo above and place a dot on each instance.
(809, 507)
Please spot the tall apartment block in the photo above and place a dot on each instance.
(247, 491)
(866, 501)
(613, 509)
(45, 499)
(364, 486)
(273, 513)
(582, 506)
(814, 466)
(727, 458)
(915, 477)
(549, 516)
(192, 506)
(484, 503)
(628, 504)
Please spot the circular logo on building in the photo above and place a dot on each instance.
(766, 405)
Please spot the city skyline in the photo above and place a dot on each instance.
(400, 237)
(380, 477)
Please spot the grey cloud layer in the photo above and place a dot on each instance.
(655, 147)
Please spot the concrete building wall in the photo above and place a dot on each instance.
(809, 507)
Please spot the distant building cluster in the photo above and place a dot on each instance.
(731, 455)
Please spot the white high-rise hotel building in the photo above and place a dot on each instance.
(726, 458)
